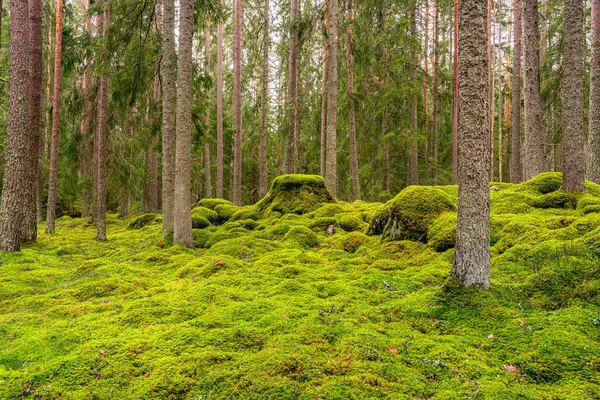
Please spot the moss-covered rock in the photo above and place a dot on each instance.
(352, 241)
(556, 199)
(226, 211)
(212, 203)
(407, 216)
(142, 221)
(201, 236)
(207, 213)
(295, 194)
(545, 183)
(442, 232)
(248, 212)
(199, 222)
(351, 222)
(303, 237)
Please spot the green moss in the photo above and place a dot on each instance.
(352, 241)
(591, 209)
(408, 215)
(351, 222)
(303, 237)
(213, 203)
(295, 194)
(544, 183)
(321, 224)
(201, 236)
(141, 221)
(220, 236)
(207, 213)
(226, 211)
(442, 232)
(557, 199)
(199, 222)
(245, 213)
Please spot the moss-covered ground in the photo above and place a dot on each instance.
(272, 306)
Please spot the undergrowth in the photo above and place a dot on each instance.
(273, 304)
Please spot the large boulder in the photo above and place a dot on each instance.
(295, 194)
(408, 215)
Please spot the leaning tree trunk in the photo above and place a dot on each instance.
(207, 172)
(573, 58)
(332, 88)
(351, 114)
(535, 139)
(264, 127)
(516, 167)
(593, 162)
(53, 180)
(100, 139)
(182, 214)
(16, 142)
(292, 91)
(168, 71)
(471, 264)
(414, 143)
(237, 103)
(35, 121)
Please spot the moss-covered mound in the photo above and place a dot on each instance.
(408, 215)
(295, 194)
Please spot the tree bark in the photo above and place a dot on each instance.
(573, 80)
(471, 264)
(332, 88)
(16, 142)
(53, 180)
(351, 113)
(86, 153)
(535, 140)
(426, 93)
(207, 171)
(324, 96)
(264, 129)
(35, 121)
(414, 143)
(593, 161)
(490, 85)
(237, 103)
(516, 167)
(455, 99)
(101, 135)
(219, 172)
(434, 115)
(182, 212)
(168, 70)
(292, 89)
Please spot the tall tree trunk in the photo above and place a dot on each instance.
(471, 264)
(386, 149)
(455, 99)
(53, 180)
(535, 140)
(573, 59)
(101, 134)
(434, 116)
(264, 128)
(237, 103)
(332, 88)
(324, 96)
(500, 94)
(351, 114)
(490, 85)
(168, 70)
(86, 152)
(292, 89)
(219, 172)
(30, 187)
(207, 172)
(516, 167)
(426, 93)
(48, 126)
(17, 141)
(414, 142)
(593, 162)
(182, 212)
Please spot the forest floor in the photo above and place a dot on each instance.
(272, 306)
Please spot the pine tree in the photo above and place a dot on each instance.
(332, 89)
(516, 167)
(237, 103)
(351, 112)
(593, 162)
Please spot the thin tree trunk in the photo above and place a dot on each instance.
(386, 149)
(53, 180)
(264, 129)
(414, 143)
(351, 114)
(17, 141)
(292, 88)
(573, 60)
(490, 85)
(30, 187)
(535, 140)
(182, 213)
(332, 88)
(455, 99)
(48, 130)
(219, 172)
(86, 153)
(237, 103)
(471, 264)
(324, 96)
(168, 70)
(516, 167)
(207, 171)
(426, 93)
(434, 116)
(593, 161)
(100, 139)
